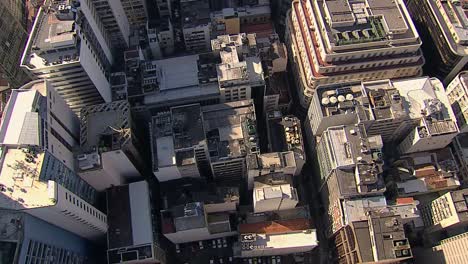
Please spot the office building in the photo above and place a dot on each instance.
(13, 38)
(446, 212)
(196, 24)
(247, 19)
(378, 239)
(132, 236)
(274, 192)
(67, 52)
(276, 237)
(457, 93)
(351, 167)
(110, 152)
(161, 39)
(240, 73)
(27, 239)
(451, 250)
(425, 172)
(398, 110)
(334, 41)
(37, 136)
(195, 210)
(137, 14)
(164, 7)
(285, 134)
(110, 21)
(267, 163)
(207, 141)
(443, 26)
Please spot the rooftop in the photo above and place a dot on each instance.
(105, 127)
(424, 172)
(195, 13)
(53, 39)
(285, 134)
(272, 162)
(129, 216)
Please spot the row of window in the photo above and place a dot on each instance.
(85, 207)
(39, 252)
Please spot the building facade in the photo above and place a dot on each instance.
(457, 93)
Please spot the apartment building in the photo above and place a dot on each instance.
(446, 212)
(64, 49)
(196, 210)
(161, 39)
(136, 11)
(110, 152)
(378, 239)
(339, 40)
(460, 152)
(14, 36)
(413, 111)
(443, 26)
(37, 137)
(268, 163)
(132, 236)
(457, 93)
(425, 172)
(27, 239)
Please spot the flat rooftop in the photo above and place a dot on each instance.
(177, 72)
(129, 215)
(187, 126)
(19, 180)
(52, 39)
(285, 134)
(195, 13)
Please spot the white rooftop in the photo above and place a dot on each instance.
(178, 72)
(165, 149)
(355, 210)
(142, 231)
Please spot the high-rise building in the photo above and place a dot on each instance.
(378, 239)
(451, 250)
(274, 192)
(132, 235)
(136, 12)
(267, 163)
(27, 239)
(110, 152)
(443, 26)
(37, 136)
(12, 41)
(70, 54)
(457, 93)
(339, 40)
(448, 211)
(460, 152)
(415, 110)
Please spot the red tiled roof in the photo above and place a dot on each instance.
(405, 200)
(272, 227)
(262, 30)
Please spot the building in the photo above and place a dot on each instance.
(414, 110)
(449, 211)
(240, 73)
(425, 172)
(351, 167)
(164, 8)
(277, 237)
(285, 134)
(68, 52)
(450, 250)
(358, 41)
(21, 233)
(132, 236)
(136, 12)
(274, 192)
(196, 210)
(443, 28)
(196, 24)
(110, 20)
(13, 38)
(110, 152)
(161, 39)
(207, 141)
(37, 163)
(378, 239)
(460, 153)
(457, 93)
(267, 163)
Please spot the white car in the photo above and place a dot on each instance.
(224, 242)
(219, 243)
(200, 244)
(177, 248)
(213, 243)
